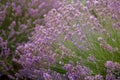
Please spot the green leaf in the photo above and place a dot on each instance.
(58, 69)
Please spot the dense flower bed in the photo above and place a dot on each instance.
(60, 39)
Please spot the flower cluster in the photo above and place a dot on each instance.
(113, 70)
(4, 52)
(78, 72)
(60, 39)
(17, 20)
(106, 9)
(73, 23)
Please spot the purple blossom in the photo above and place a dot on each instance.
(110, 77)
(47, 76)
(110, 64)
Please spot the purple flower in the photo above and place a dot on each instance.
(1, 40)
(18, 10)
(110, 77)
(47, 76)
(109, 65)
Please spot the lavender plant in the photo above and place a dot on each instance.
(71, 40)
(17, 20)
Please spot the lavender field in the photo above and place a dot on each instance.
(59, 39)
